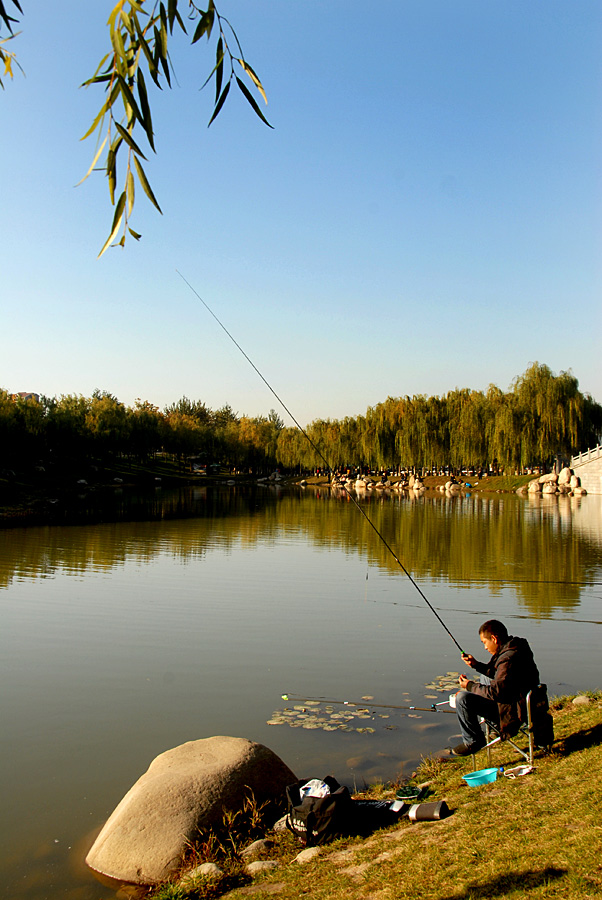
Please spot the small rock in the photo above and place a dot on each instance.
(205, 870)
(307, 855)
(581, 700)
(280, 826)
(261, 865)
(257, 847)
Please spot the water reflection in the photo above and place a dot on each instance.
(547, 549)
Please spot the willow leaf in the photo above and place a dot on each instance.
(147, 122)
(205, 26)
(127, 137)
(248, 69)
(145, 185)
(219, 68)
(116, 224)
(94, 161)
(113, 15)
(219, 104)
(129, 97)
(118, 44)
(112, 173)
(98, 68)
(165, 67)
(143, 44)
(131, 191)
(100, 79)
(163, 39)
(134, 234)
(103, 109)
(172, 9)
(252, 101)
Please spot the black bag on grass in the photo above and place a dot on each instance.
(316, 820)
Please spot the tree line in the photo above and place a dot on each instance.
(541, 416)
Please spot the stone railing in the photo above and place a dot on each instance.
(587, 456)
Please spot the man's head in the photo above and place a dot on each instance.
(493, 635)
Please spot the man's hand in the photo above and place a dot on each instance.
(469, 660)
(463, 681)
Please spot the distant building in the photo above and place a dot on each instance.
(25, 395)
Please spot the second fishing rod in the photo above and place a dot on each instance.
(326, 463)
(434, 707)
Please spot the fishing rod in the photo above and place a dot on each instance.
(363, 704)
(325, 461)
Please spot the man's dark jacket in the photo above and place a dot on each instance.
(513, 674)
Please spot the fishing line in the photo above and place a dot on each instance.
(325, 461)
(434, 707)
(483, 613)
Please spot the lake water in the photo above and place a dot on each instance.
(123, 639)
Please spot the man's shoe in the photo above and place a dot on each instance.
(467, 749)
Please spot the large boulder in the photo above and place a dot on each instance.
(534, 487)
(184, 790)
(564, 476)
(551, 478)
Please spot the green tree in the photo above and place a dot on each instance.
(67, 431)
(183, 435)
(107, 423)
(196, 409)
(146, 429)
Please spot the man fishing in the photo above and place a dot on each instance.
(500, 694)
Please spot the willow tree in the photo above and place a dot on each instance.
(550, 408)
(466, 423)
(293, 449)
(502, 428)
(140, 33)
(421, 436)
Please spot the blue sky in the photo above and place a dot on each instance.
(425, 214)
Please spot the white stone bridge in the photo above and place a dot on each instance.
(588, 466)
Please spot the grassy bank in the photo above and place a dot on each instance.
(533, 837)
